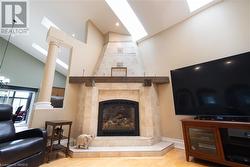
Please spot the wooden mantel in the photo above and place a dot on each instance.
(91, 80)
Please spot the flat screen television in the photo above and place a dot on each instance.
(215, 88)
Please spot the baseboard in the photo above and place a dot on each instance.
(178, 143)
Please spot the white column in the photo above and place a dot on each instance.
(48, 78)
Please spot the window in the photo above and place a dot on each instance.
(197, 4)
(127, 16)
(21, 98)
(17, 98)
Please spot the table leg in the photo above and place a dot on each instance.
(51, 142)
(59, 140)
(67, 150)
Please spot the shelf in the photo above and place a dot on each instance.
(58, 122)
(57, 147)
(91, 80)
(202, 141)
(207, 150)
(57, 138)
(196, 135)
(238, 143)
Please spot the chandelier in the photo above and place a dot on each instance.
(4, 80)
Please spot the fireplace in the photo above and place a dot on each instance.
(118, 118)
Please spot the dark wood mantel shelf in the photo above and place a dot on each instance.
(91, 80)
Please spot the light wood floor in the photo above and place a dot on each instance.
(174, 158)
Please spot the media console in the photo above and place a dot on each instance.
(223, 142)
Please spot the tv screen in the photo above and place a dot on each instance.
(216, 88)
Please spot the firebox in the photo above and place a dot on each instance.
(118, 118)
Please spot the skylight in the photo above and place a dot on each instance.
(61, 63)
(44, 52)
(196, 4)
(40, 49)
(48, 23)
(129, 19)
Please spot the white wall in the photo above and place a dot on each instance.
(220, 31)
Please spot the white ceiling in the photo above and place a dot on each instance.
(71, 16)
(157, 15)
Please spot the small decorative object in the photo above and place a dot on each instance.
(59, 132)
(119, 71)
(83, 141)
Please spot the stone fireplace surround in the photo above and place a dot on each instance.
(149, 114)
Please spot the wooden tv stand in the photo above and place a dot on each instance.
(222, 142)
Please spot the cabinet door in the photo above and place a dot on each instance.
(203, 141)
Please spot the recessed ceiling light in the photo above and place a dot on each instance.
(45, 53)
(125, 13)
(48, 23)
(196, 4)
(117, 24)
(228, 62)
(197, 68)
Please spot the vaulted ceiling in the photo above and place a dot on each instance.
(71, 15)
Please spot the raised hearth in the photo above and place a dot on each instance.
(158, 149)
(115, 141)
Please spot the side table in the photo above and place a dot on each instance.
(56, 135)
